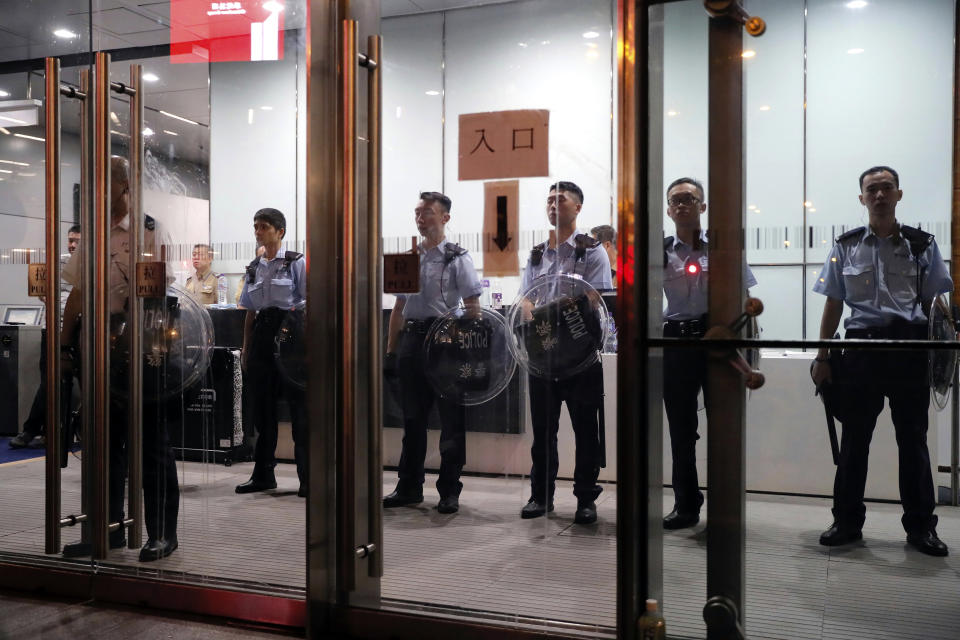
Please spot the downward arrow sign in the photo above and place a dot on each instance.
(501, 239)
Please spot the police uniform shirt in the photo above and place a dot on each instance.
(204, 286)
(877, 278)
(275, 285)
(442, 284)
(686, 294)
(595, 267)
(154, 239)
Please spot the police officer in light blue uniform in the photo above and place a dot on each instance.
(887, 273)
(275, 283)
(447, 276)
(568, 251)
(686, 271)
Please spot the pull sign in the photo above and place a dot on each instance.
(401, 271)
(37, 280)
(151, 279)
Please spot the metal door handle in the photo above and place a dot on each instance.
(753, 378)
(753, 25)
(722, 618)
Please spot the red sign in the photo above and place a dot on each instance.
(207, 31)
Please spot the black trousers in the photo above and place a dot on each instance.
(583, 394)
(868, 378)
(266, 385)
(161, 489)
(684, 374)
(36, 421)
(417, 398)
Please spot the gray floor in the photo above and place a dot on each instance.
(486, 561)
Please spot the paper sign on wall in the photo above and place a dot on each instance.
(504, 144)
(501, 228)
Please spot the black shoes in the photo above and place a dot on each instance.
(156, 549)
(586, 512)
(258, 482)
(450, 504)
(302, 492)
(679, 520)
(534, 509)
(838, 535)
(81, 549)
(927, 542)
(400, 498)
(19, 441)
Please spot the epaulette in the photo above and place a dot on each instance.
(850, 234)
(149, 222)
(584, 242)
(452, 251)
(291, 256)
(536, 254)
(918, 238)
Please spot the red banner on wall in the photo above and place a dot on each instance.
(240, 30)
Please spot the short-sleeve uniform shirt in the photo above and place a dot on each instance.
(276, 283)
(686, 293)
(594, 268)
(877, 278)
(443, 283)
(204, 287)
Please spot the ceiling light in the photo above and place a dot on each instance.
(147, 131)
(5, 171)
(765, 107)
(4, 94)
(545, 42)
(4, 131)
(181, 118)
(749, 53)
(119, 133)
(752, 207)
(671, 113)
(812, 209)
(170, 133)
(113, 118)
(23, 135)
(433, 92)
(64, 33)
(273, 6)
(19, 164)
(589, 35)
(856, 4)
(522, 45)
(808, 204)
(150, 77)
(266, 107)
(855, 51)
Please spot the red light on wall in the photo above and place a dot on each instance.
(239, 30)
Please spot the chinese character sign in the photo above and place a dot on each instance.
(504, 144)
(206, 31)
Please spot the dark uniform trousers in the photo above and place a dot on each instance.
(36, 421)
(868, 377)
(417, 398)
(266, 385)
(583, 394)
(684, 374)
(161, 489)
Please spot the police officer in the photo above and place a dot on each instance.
(447, 276)
(685, 277)
(203, 282)
(887, 274)
(161, 491)
(607, 237)
(568, 251)
(275, 284)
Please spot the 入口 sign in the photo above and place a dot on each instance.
(504, 144)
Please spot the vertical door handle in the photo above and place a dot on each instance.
(753, 25)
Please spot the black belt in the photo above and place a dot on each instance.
(892, 332)
(694, 328)
(417, 326)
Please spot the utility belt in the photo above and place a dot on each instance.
(900, 331)
(269, 319)
(420, 327)
(694, 328)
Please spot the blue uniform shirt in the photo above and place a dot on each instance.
(442, 284)
(687, 294)
(877, 278)
(595, 267)
(276, 286)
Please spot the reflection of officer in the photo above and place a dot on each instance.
(685, 271)
(607, 237)
(161, 491)
(887, 274)
(572, 252)
(203, 282)
(446, 276)
(275, 283)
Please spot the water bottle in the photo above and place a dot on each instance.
(610, 345)
(221, 291)
(651, 625)
(485, 296)
(497, 295)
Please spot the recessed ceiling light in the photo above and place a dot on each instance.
(765, 107)
(4, 131)
(5, 171)
(147, 131)
(266, 107)
(4, 94)
(749, 53)
(113, 118)
(856, 4)
(176, 117)
(272, 6)
(64, 33)
(19, 164)
(591, 34)
(150, 77)
(522, 45)
(170, 133)
(23, 135)
(855, 51)
(671, 113)
(433, 92)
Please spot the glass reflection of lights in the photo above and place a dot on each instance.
(272, 6)
(150, 77)
(147, 131)
(433, 92)
(672, 113)
(64, 33)
(589, 35)
(4, 94)
(26, 137)
(765, 107)
(856, 4)
(749, 53)
(855, 51)
(170, 133)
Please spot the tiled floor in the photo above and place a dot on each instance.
(486, 560)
